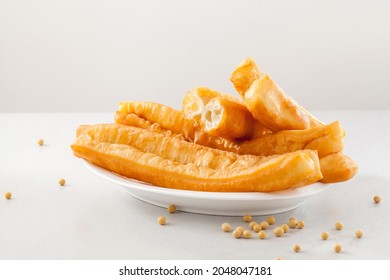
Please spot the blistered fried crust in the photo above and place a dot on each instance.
(167, 117)
(175, 163)
(135, 120)
(271, 106)
(337, 167)
(324, 139)
(244, 75)
(267, 102)
(215, 142)
(182, 126)
(327, 140)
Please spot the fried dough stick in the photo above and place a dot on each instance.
(271, 106)
(221, 114)
(165, 116)
(227, 119)
(134, 120)
(170, 119)
(268, 103)
(174, 163)
(264, 98)
(325, 139)
(244, 75)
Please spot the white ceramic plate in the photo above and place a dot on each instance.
(226, 204)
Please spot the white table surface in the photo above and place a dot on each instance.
(91, 218)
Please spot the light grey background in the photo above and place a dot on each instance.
(86, 56)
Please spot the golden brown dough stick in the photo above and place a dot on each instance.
(271, 106)
(222, 117)
(199, 136)
(267, 101)
(221, 114)
(170, 162)
(162, 145)
(177, 123)
(165, 116)
(215, 142)
(81, 129)
(135, 120)
(337, 167)
(325, 139)
(244, 75)
(329, 141)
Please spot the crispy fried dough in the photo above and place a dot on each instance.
(199, 136)
(222, 117)
(175, 163)
(165, 116)
(268, 103)
(221, 114)
(177, 124)
(244, 75)
(271, 106)
(135, 120)
(195, 100)
(325, 139)
(337, 167)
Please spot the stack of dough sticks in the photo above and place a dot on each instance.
(220, 143)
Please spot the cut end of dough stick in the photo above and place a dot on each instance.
(244, 75)
(226, 119)
(337, 167)
(194, 101)
(193, 105)
(212, 117)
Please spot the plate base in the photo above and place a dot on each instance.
(217, 212)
